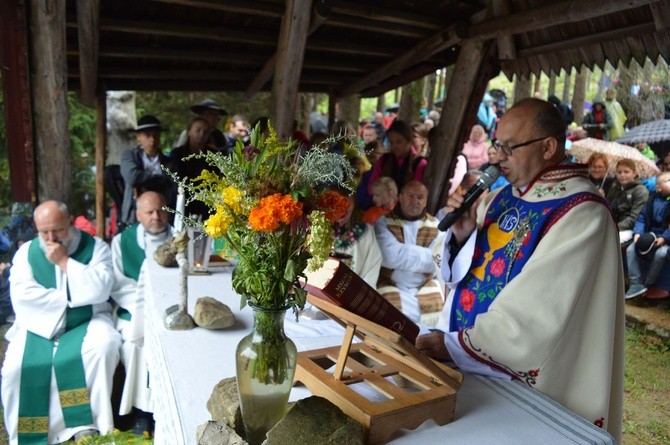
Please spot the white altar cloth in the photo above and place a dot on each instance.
(185, 366)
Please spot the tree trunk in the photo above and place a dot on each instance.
(411, 100)
(381, 103)
(430, 91)
(50, 112)
(350, 109)
(601, 84)
(536, 85)
(579, 94)
(522, 86)
(566, 86)
(120, 119)
(551, 90)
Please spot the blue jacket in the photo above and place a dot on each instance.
(655, 217)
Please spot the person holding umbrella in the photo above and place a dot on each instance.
(598, 122)
(598, 173)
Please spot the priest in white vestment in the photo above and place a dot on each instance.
(535, 276)
(410, 243)
(129, 249)
(63, 348)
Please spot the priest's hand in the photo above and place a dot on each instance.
(467, 223)
(433, 345)
(57, 254)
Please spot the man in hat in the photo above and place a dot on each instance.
(209, 110)
(141, 168)
(63, 348)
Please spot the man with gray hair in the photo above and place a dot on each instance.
(63, 348)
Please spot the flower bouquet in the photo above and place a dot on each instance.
(275, 205)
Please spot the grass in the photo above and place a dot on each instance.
(646, 390)
(646, 395)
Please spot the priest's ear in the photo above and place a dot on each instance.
(550, 149)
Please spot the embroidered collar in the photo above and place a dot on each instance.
(345, 236)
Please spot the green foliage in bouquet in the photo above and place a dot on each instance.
(275, 205)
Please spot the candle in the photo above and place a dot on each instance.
(179, 217)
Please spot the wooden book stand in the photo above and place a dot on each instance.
(413, 387)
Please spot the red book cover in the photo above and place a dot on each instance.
(337, 283)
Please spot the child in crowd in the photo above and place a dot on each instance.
(384, 197)
(652, 228)
(627, 198)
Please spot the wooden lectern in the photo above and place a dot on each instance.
(410, 387)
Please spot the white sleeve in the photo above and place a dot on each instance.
(467, 363)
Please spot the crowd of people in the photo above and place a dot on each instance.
(479, 289)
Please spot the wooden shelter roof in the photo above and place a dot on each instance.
(354, 46)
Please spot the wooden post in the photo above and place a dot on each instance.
(290, 55)
(579, 94)
(100, 149)
(522, 87)
(16, 93)
(566, 85)
(332, 110)
(552, 84)
(430, 91)
(410, 101)
(458, 114)
(88, 17)
(318, 17)
(350, 109)
(50, 113)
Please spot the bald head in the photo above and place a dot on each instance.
(52, 221)
(150, 212)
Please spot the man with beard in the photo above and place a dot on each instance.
(407, 237)
(63, 348)
(129, 248)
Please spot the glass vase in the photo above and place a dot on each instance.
(265, 363)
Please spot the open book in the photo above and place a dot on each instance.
(337, 283)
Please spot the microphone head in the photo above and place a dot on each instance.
(490, 174)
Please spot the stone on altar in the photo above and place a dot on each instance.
(212, 314)
(224, 404)
(217, 433)
(166, 254)
(315, 420)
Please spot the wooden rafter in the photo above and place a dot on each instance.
(88, 15)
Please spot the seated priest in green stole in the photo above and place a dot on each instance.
(63, 348)
(129, 248)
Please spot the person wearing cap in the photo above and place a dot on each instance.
(211, 112)
(598, 121)
(647, 249)
(142, 169)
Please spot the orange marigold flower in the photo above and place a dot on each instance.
(289, 209)
(262, 220)
(333, 204)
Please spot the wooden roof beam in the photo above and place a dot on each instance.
(506, 49)
(177, 30)
(426, 48)
(319, 15)
(388, 14)
(661, 13)
(568, 11)
(250, 7)
(88, 16)
(591, 39)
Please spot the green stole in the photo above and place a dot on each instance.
(132, 256)
(39, 358)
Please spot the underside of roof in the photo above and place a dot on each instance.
(365, 47)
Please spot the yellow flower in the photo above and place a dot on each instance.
(232, 197)
(217, 224)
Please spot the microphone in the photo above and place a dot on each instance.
(488, 177)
